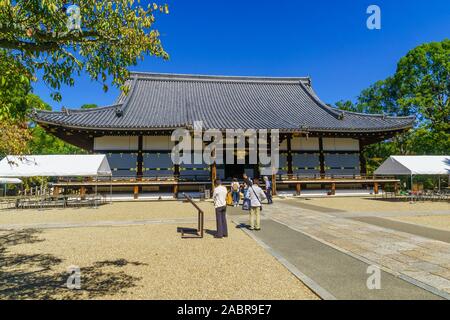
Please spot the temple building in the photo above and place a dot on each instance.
(318, 144)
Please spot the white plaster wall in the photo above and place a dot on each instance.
(301, 144)
(157, 143)
(340, 144)
(125, 143)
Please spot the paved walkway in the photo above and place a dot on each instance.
(420, 260)
(329, 272)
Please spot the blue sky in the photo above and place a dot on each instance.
(327, 40)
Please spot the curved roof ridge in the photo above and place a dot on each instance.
(219, 78)
(312, 94)
(340, 112)
(70, 110)
(123, 106)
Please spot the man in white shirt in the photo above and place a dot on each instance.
(256, 195)
(220, 203)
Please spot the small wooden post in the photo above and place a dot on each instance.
(298, 188)
(375, 188)
(396, 188)
(56, 191)
(213, 176)
(136, 192)
(333, 189)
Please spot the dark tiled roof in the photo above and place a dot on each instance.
(158, 101)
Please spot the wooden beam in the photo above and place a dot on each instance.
(375, 188)
(136, 192)
(333, 189)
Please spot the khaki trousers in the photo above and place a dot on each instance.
(255, 214)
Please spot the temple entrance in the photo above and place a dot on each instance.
(234, 171)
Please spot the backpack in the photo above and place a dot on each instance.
(235, 186)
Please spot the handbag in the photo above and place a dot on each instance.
(246, 204)
(229, 199)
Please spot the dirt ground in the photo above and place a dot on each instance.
(118, 211)
(137, 262)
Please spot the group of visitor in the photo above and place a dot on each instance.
(253, 196)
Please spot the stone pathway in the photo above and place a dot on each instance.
(420, 260)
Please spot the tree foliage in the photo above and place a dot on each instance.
(111, 36)
(38, 38)
(420, 87)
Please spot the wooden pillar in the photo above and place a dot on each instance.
(298, 188)
(396, 188)
(321, 158)
(375, 188)
(136, 192)
(56, 191)
(289, 156)
(140, 158)
(83, 192)
(362, 160)
(333, 189)
(274, 184)
(176, 174)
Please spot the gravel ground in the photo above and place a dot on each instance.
(138, 262)
(354, 204)
(118, 211)
(438, 221)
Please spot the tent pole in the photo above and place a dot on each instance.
(96, 189)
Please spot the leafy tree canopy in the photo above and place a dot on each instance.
(89, 106)
(420, 87)
(99, 37)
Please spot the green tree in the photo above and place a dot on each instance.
(420, 87)
(44, 143)
(36, 38)
(108, 37)
(423, 78)
(89, 106)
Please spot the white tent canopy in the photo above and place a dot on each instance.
(415, 165)
(10, 181)
(55, 166)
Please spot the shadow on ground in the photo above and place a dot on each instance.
(44, 276)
